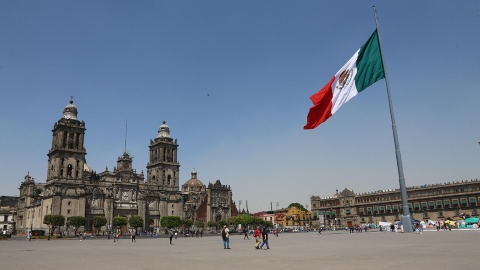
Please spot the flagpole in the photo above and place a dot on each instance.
(406, 218)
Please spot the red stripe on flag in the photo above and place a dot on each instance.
(322, 109)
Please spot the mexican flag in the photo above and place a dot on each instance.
(362, 70)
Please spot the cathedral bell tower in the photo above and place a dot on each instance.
(66, 158)
(163, 168)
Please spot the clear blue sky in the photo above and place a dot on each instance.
(232, 79)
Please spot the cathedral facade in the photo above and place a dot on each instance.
(72, 188)
(208, 203)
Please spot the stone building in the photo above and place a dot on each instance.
(72, 188)
(8, 207)
(428, 202)
(212, 203)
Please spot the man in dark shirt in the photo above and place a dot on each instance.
(265, 238)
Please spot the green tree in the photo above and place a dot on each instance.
(257, 221)
(170, 222)
(199, 224)
(212, 224)
(98, 222)
(187, 223)
(298, 206)
(233, 221)
(245, 220)
(135, 222)
(120, 221)
(77, 222)
(267, 224)
(53, 221)
(222, 223)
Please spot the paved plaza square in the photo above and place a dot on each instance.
(457, 249)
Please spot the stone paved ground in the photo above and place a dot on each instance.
(331, 250)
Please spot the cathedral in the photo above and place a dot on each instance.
(72, 188)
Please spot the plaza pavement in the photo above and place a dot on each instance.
(446, 250)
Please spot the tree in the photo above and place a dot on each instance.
(212, 224)
(187, 223)
(256, 221)
(233, 221)
(267, 224)
(245, 220)
(222, 223)
(99, 221)
(77, 222)
(170, 222)
(53, 221)
(298, 206)
(120, 221)
(135, 222)
(199, 224)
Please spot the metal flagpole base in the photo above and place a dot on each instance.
(407, 223)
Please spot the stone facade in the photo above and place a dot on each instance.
(212, 203)
(428, 202)
(72, 188)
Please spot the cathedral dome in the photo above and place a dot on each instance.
(70, 111)
(164, 131)
(193, 183)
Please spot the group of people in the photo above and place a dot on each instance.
(357, 228)
(261, 237)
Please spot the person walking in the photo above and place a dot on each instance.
(257, 235)
(265, 238)
(226, 237)
(246, 235)
(114, 237)
(30, 236)
(170, 235)
(132, 235)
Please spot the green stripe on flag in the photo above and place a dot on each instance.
(369, 63)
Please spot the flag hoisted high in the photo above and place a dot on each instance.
(361, 71)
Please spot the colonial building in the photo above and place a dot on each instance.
(293, 218)
(8, 207)
(428, 202)
(195, 192)
(212, 203)
(72, 188)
